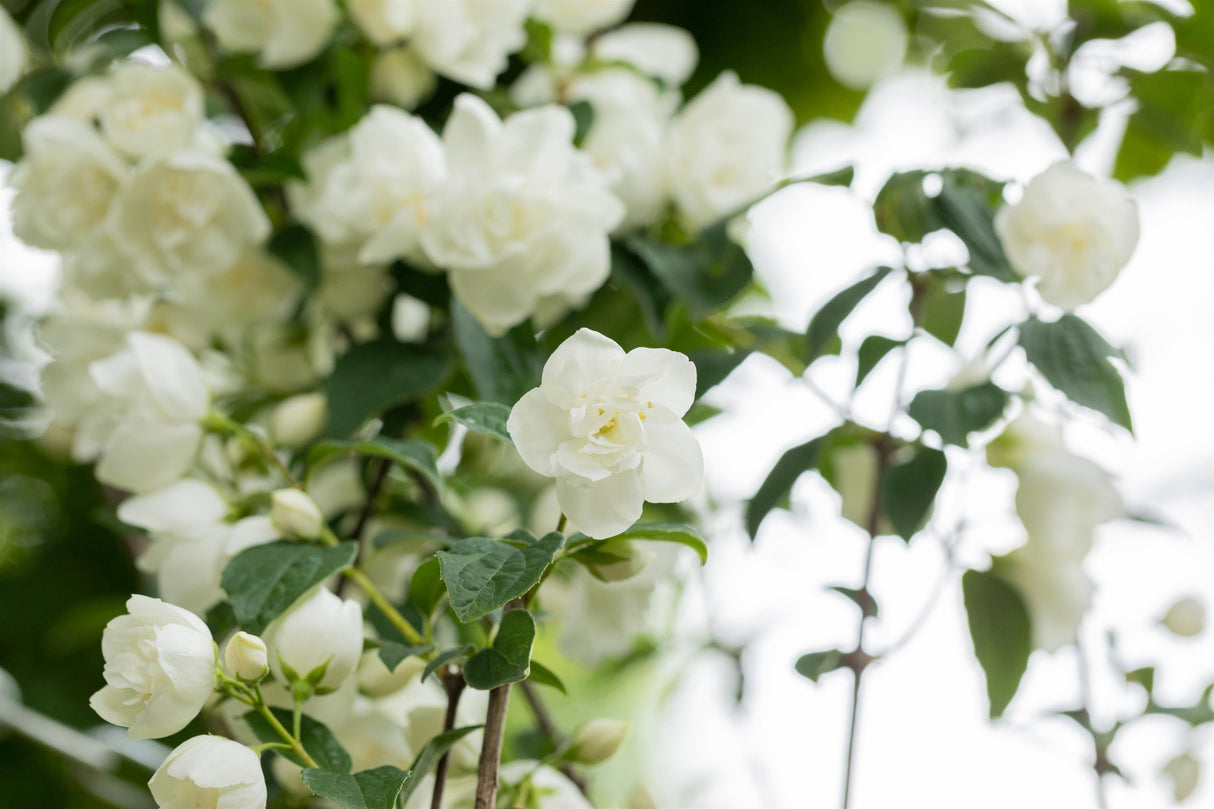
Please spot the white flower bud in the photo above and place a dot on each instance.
(633, 560)
(597, 740)
(865, 42)
(246, 658)
(299, 419)
(320, 638)
(1183, 771)
(296, 514)
(410, 319)
(159, 668)
(212, 769)
(1187, 617)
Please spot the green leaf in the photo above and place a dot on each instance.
(1074, 358)
(666, 532)
(941, 310)
(429, 756)
(369, 789)
(372, 377)
(824, 327)
(446, 657)
(840, 176)
(954, 414)
(262, 582)
(426, 587)
(509, 659)
(295, 246)
(779, 482)
(713, 366)
(411, 454)
(861, 598)
(393, 653)
(704, 274)
(543, 675)
(815, 664)
(502, 368)
(486, 418)
(1000, 628)
(909, 488)
(316, 738)
(872, 351)
(583, 118)
(483, 574)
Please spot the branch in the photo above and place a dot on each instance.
(491, 749)
(547, 728)
(454, 684)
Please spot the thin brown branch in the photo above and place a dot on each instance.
(453, 683)
(491, 749)
(548, 729)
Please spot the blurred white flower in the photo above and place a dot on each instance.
(369, 188)
(209, 771)
(864, 42)
(188, 212)
(725, 148)
(597, 740)
(581, 16)
(144, 429)
(1071, 231)
(295, 514)
(151, 108)
(245, 657)
(320, 630)
(66, 183)
(469, 40)
(608, 426)
(159, 668)
(191, 541)
(661, 51)
(299, 419)
(14, 52)
(383, 21)
(524, 215)
(1186, 618)
(283, 33)
(399, 76)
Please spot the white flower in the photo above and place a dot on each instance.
(191, 541)
(320, 630)
(725, 148)
(383, 21)
(523, 217)
(581, 16)
(1186, 618)
(369, 188)
(1056, 591)
(188, 212)
(1071, 231)
(410, 319)
(283, 33)
(657, 50)
(864, 42)
(597, 740)
(66, 183)
(208, 771)
(608, 426)
(246, 658)
(299, 419)
(399, 76)
(14, 53)
(469, 40)
(159, 668)
(144, 430)
(295, 514)
(151, 108)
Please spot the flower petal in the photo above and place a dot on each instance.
(537, 428)
(661, 376)
(602, 508)
(579, 365)
(673, 468)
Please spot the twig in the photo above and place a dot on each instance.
(491, 749)
(547, 728)
(1101, 761)
(453, 683)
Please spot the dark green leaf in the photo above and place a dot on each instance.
(446, 657)
(316, 738)
(73, 21)
(426, 587)
(393, 654)
(1144, 677)
(815, 664)
(369, 789)
(543, 675)
(704, 275)
(872, 351)
(713, 366)
(583, 118)
(909, 488)
(861, 598)
(264, 581)
(429, 756)
(482, 574)
(779, 482)
(1000, 628)
(502, 368)
(375, 376)
(824, 327)
(411, 454)
(941, 311)
(841, 176)
(1074, 358)
(509, 659)
(486, 418)
(666, 532)
(954, 414)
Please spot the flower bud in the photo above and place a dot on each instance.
(632, 560)
(299, 419)
(319, 640)
(295, 514)
(1187, 617)
(1183, 771)
(245, 657)
(597, 740)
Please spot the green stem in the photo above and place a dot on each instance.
(294, 742)
(377, 598)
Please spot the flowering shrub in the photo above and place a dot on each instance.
(386, 324)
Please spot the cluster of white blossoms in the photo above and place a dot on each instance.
(1061, 499)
